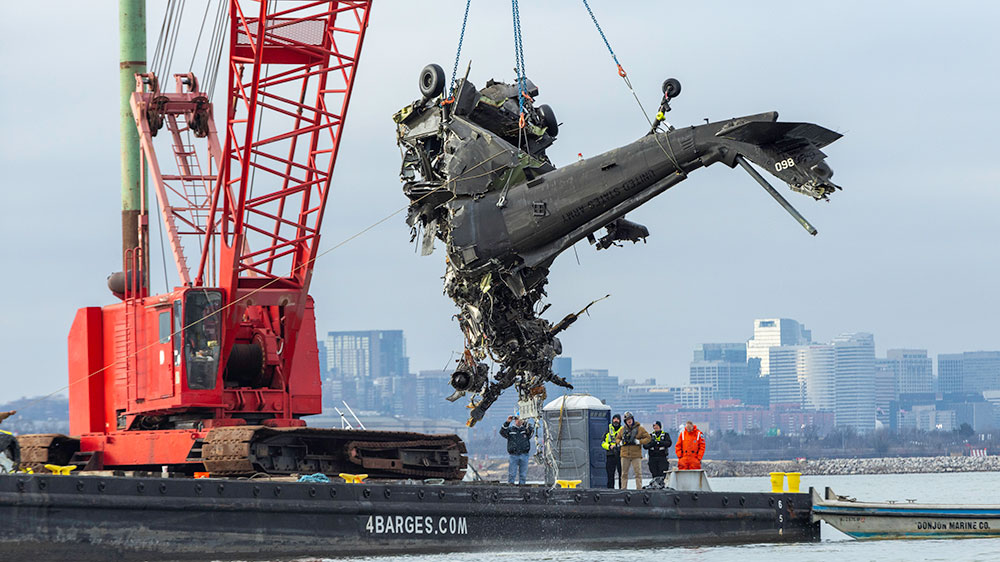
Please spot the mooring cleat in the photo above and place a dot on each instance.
(353, 478)
(62, 470)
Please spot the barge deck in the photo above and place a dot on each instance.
(125, 518)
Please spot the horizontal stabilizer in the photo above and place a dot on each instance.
(763, 133)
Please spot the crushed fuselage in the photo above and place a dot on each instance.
(481, 183)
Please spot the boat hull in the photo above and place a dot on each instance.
(877, 520)
(117, 518)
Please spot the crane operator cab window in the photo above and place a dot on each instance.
(202, 338)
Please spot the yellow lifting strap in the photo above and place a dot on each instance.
(568, 483)
(63, 470)
(353, 478)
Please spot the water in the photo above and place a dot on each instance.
(976, 487)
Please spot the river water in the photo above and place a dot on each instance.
(969, 487)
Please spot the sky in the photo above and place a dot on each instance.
(907, 251)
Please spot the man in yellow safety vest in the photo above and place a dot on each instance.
(610, 445)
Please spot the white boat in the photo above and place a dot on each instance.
(909, 520)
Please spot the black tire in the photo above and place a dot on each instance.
(431, 81)
(671, 87)
(548, 118)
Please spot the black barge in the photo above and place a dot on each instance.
(101, 518)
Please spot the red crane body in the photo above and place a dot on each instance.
(151, 376)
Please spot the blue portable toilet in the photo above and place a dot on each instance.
(575, 427)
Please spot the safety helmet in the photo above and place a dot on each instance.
(629, 415)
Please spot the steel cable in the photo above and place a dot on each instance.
(458, 53)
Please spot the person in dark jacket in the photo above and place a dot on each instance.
(518, 438)
(610, 445)
(659, 450)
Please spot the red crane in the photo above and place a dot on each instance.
(218, 372)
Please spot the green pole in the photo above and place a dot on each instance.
(132, 61)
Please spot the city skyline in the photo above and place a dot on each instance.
(881, 352)
(839, 383)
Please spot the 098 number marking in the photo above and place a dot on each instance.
(784, 164)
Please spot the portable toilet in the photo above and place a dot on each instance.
(575, 427)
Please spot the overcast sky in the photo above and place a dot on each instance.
(908, 251)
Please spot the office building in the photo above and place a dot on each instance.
(972, 371)
(885, 390)
(722, 366)
(854, 381)
(367, 354)
(596, 382)
(774, 332)
(912, 370)
(949, 372)
(803, 375)
(321, 355)
(563, 367)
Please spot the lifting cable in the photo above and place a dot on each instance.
(621, 70)
(201, 30)
(458, 53)
(669, 150)
(519, 69)
(214, 58)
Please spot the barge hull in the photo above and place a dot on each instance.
(117, 518)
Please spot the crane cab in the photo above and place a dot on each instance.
(134, 364)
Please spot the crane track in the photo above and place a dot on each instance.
(247, 450)
(40, 449)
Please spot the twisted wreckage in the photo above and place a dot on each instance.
(478, 179)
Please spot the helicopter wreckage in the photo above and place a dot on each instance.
(478, 179)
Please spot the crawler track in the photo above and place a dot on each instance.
(40, 449)
(246, 450)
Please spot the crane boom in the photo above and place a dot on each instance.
(218, 373)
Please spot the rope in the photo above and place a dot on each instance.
(458, 53)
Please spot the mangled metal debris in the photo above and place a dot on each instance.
(478, 179)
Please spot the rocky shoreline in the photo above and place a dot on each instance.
(897, 465)
(496, 469)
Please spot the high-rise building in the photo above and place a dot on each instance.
(972, 371)
(431, 388)
(803, 375)
(323, 370)
(722, 366)
(980, 371)
(757, 391)
(371, 365)
(885, 390)
(367, 354)
(729, 352)
(563, 367)
(596, 382)
(774, 332)
(854, 366)
(949, 372)
(912, 370)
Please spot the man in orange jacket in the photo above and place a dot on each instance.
(690, 448)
